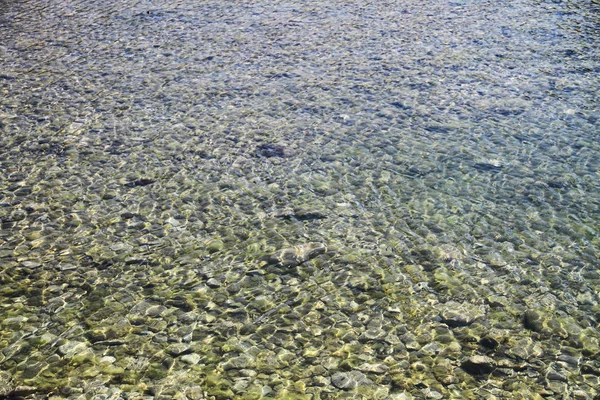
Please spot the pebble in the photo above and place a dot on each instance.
(266, 391)
(372, 334)
(191, 359)
(213, 283)
(32, 370)
(373, 368)
(533, 321)
(72, 348)
(558, 387)
(591, 369)
(572, 360)
(67, 267)
(195, 393)
(294, 256)
(556, 376)
(392, 339)
(214, 245)
(456, 314)
(31, 264)
(321, 381)
(410, 341)
(177, 349)
(489, 342)
(478, 365)
(350, 380)
(5, 379)
(525, 349)
(241, 384)
(241, 362)
(18, 320)
(580, 395)
(155, 311)
(400, 396)
(431, 349)
(248, 373)
(268, 150)
(432, 394)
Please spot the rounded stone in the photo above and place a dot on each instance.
(213, 283)
(155, 311)
(215, 245)
(241, 362)
(350, 380)
(373, 368)
(72, 348)
(533, 321)
(177, 349)
(342, 380)
(191, 359)
(372, 334)
(456, 314)
(478, 365)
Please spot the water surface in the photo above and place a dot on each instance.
(309, 200)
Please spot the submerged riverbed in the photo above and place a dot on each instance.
(299, 200)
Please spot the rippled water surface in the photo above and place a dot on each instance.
(299, 200)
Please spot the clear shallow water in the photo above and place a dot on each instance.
(434, 164)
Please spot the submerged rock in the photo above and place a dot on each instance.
(478, 365)
(140, 182)
(372, 335)
(302, 215)
(373, 368)
(456, 314)
(71, 348)
(488, 167)
(269, 150)
(240, 362)
(533, 321)
(177, 349)
(294, 256)
(191, 359)
(350, 380)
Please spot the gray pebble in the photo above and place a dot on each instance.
(431, 349)
(349, 380)
(195, 393)
(191, 359)
(432, 394)
(71, 348)
(410, 341)
(248, 373)
(456, 314)
(372, 334)
(177, 349)
(478, 365)
(31, 264)
(213, 283)
(241, 362)
(240, 385)
(32, 370)
(155, 311)
(342, 380)
(373, 368)
(569, 359)
(266, 391)
(556, 376)
(533, 321)
(392, 339)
